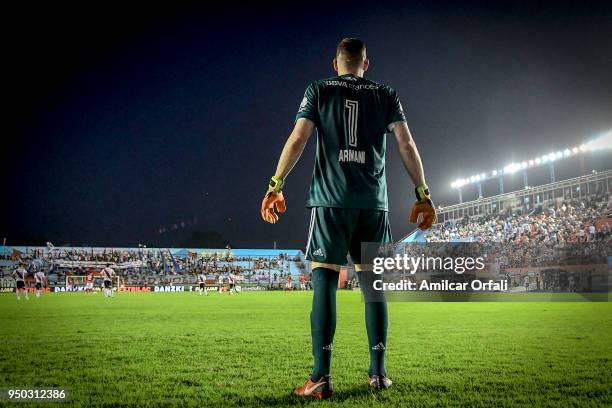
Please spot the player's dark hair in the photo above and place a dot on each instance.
(351, 51)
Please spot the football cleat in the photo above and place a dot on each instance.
(321, 389)
(380, 382)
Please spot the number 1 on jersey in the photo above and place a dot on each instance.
(351, 112)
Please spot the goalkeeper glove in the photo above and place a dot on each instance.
(424, 206)
(273, 200)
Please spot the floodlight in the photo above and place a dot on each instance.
(602, 142)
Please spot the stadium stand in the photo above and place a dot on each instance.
(555, 237)
(160, 266)
(573, 220)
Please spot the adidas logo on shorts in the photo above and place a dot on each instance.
(318, 252)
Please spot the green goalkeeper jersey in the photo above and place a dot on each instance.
(352, 116)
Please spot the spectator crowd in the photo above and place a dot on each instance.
(155, 266)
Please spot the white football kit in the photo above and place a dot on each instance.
(39, 277)
(20, 274)
(107, 274)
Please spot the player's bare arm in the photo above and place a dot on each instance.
(274, 201)
(409, 153)
(423, 212)
(294, 147)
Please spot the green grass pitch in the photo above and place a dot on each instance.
(251, 349)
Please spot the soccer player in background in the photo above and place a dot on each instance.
(348, 197)
(39, 280)
(231, 281)
(202, 282)
(220, 283)
(19, 275)
(107, 274)
(89, 282)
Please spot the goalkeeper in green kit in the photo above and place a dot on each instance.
(348, 197)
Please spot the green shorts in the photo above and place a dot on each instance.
(336, 232)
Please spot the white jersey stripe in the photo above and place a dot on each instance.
(310, 228)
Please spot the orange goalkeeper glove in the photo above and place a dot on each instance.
(423, 206)
(273, 200)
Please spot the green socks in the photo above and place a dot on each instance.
(323, 319)
(323, 322)
(377, 322)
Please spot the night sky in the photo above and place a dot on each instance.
(139, 125)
